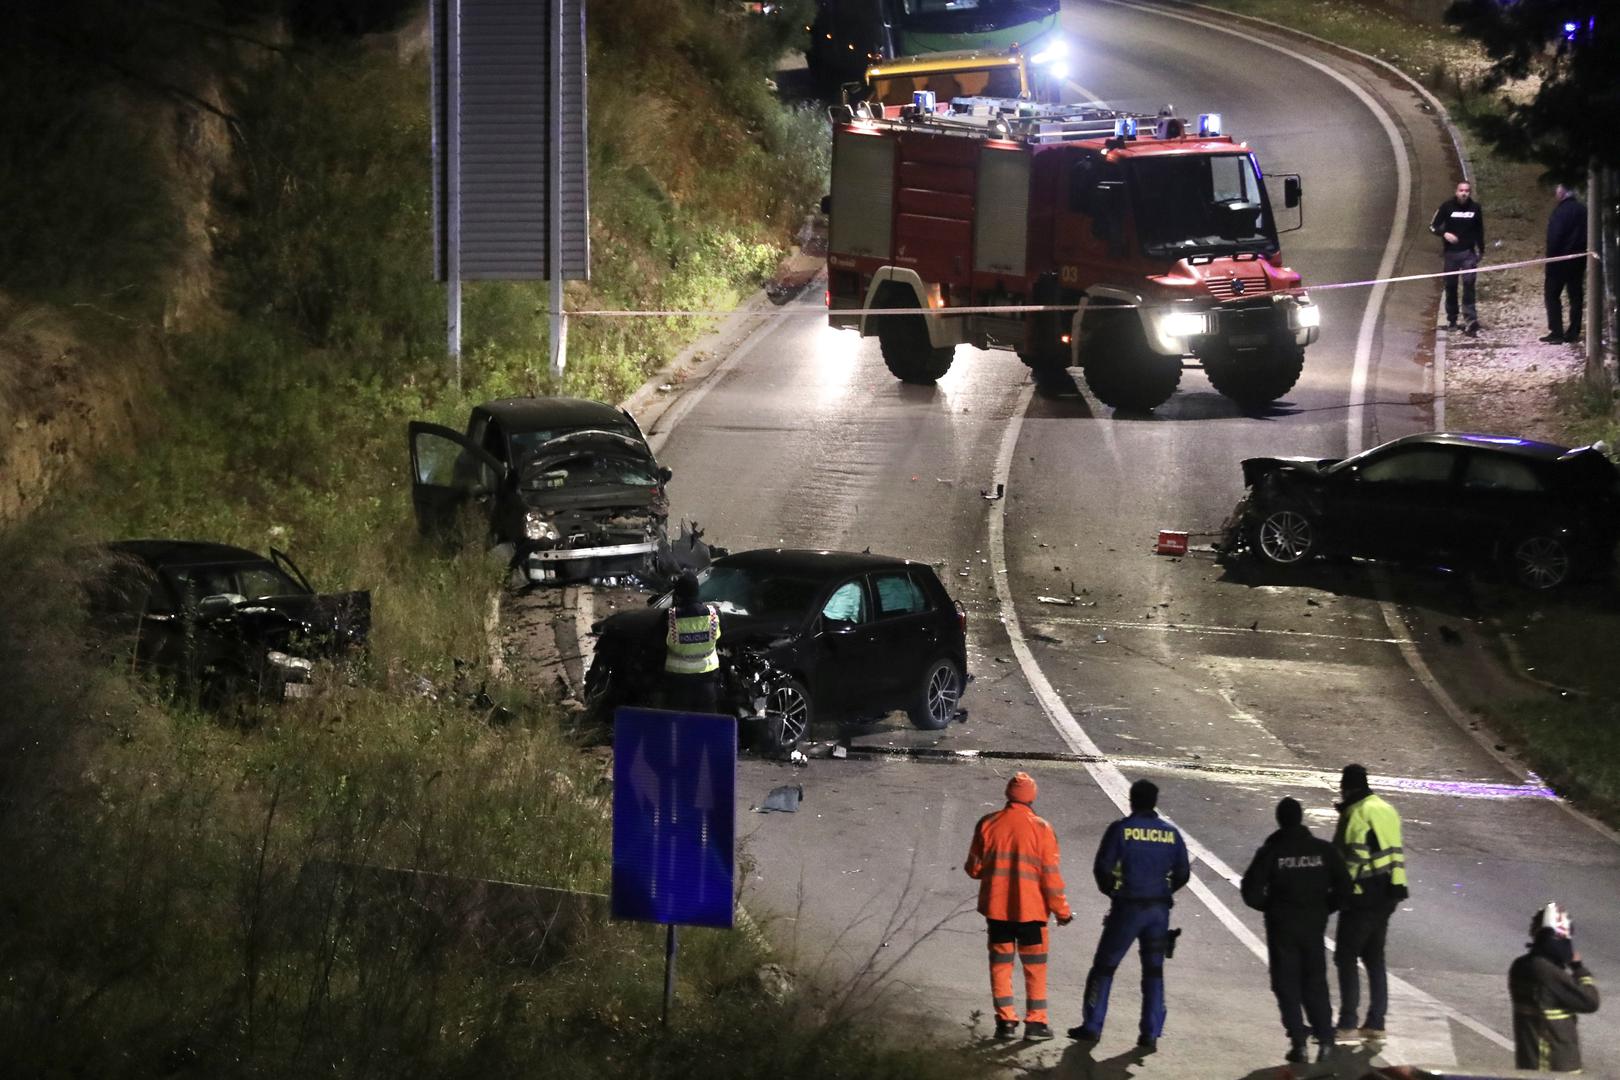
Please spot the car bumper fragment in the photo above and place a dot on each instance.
(544, 565)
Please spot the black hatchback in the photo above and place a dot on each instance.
(1542, 514)
(858, 635)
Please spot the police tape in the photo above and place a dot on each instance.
(1022, 309)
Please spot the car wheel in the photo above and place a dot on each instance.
(788, 712)
(935, 704)
(1284, 535)
(1541, 562)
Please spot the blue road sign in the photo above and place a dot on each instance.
(674, 817)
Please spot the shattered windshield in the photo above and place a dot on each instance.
(1199, 205)
(739, 591)
(591, 470)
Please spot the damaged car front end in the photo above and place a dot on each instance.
(590, 506)
(567, 488)
(221, 622)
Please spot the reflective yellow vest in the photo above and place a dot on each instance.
(1370, 818)
(689, 644)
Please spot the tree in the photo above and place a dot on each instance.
(1574, 118)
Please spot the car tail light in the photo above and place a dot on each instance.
(961, 617)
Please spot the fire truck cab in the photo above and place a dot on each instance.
(1124, 245)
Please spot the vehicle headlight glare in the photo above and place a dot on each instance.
(289, 663)
(537, 527)
(1058, 70)
(1180, 324)
(1307, 316)
(1057, 50)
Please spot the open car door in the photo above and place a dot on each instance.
(447, 472)
(290, 568)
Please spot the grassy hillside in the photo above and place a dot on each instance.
(165, 906)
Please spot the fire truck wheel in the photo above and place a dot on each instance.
(1123, 372)
(1257, 378)
(908, 353)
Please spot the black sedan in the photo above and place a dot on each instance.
(571, 484)
(1542, 514)
(221, 621)
(856, 636)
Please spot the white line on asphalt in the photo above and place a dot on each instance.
(689, 399)
(1424, 1011)
(1196, 628)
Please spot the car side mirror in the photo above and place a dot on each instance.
(1293, 191)
(211, 607)
(665, 474)
(837, 627)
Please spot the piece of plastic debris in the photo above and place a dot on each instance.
(1048, 638)
(665, 388)
(840, 751)
(1054, 600)
(1171, 542)
(1099, 640)
(798, 757)
(1001, 489)
(785, 799)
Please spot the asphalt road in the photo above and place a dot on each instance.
(1230, 692)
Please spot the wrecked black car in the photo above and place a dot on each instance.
(570, 484)
(222, 622)
(834, 633)
(1543, 515)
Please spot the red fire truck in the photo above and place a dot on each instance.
(1145, 240)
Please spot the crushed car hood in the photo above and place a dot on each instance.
(1257, 467)
(311, 626)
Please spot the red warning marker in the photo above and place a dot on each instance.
(1171, 543)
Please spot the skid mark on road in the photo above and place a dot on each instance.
(1218, 631)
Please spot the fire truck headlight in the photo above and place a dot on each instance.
(1307, 316)
(1054, 52)
(1058, 69)
(1183, 324)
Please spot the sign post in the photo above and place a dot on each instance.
(674, 823)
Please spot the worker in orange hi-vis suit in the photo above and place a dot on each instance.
(1014, 858)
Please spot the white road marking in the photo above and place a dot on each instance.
(1424, 1018)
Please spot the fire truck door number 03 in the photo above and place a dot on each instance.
(1069, 275)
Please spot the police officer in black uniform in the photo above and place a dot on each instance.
(1298, 880)
(1460, 224)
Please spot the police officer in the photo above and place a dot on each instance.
(1140, 864)
(1549, 985)
(1460, 225)
(691, 653)
(1369, 840)
(1014, 857)
(1297, 879)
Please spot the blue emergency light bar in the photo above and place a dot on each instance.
(1209, 123)
(1125, 127)
(923, 101)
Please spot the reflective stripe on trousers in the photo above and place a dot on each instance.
(1002, 956)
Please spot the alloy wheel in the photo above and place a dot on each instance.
(788, 705)
(944, 691)
(1286, 537)
(1541, 562)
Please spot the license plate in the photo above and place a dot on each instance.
(1246, 341)
(297, 689)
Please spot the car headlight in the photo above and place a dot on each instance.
(1307, 316)
(1182, 324)
(536, 526)
(289, 664)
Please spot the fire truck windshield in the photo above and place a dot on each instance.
(1209, 204)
